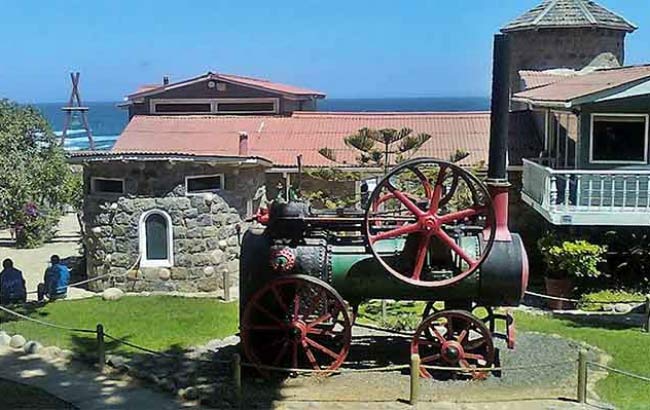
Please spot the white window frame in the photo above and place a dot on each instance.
(142, 233)
(93, 187)
(188, 177)
(214, 105)
(594, 116)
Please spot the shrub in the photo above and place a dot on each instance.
(572, 259)
(610, 297)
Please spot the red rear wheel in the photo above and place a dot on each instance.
(296, 322)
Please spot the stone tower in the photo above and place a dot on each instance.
(571, 34)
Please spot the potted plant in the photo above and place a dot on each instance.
(567, 261)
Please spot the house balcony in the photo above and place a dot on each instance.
(587, 197)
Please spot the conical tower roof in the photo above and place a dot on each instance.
(569, 14)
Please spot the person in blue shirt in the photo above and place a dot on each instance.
(12, 284)
(55, 280)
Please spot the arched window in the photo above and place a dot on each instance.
(156, 243)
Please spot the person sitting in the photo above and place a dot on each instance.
(12, 284)
(56, 280)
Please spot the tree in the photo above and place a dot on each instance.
(392, 141)
(35, 179)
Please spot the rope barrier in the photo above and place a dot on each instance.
(621, 372)
(158, 353)
(321, 371)
(40, 322)
(610, 302)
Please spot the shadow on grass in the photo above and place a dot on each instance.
(628, 321)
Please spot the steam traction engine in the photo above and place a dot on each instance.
(430, 231)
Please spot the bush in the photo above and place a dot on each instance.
(572, 259)
(610, 296)
(36, 181)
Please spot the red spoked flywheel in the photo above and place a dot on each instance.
(426, 207)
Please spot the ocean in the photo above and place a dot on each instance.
(107, 121)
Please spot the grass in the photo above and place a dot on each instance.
(157, 322)
(628, 346)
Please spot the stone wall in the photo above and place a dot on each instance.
(564, 48)
(205, 240)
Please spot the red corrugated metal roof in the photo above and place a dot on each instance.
(281, 139)
(584, 85)
(533, 79)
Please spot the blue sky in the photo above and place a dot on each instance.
(352, 48)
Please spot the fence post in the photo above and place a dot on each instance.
(646, 324)
(415, 379)
(236, 375)
(582, 376)
(101, 347)
(226, 285)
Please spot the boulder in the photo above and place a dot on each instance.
(164, 274)
(32, 347)
(17, 341)
(622, 308)
(4, 339)
(112, 294)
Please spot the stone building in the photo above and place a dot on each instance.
(568, 34)
(175, 217)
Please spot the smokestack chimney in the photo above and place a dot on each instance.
(243, 144)
(500, 109)
(166, 80)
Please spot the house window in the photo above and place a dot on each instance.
(204, 183)
(107, 185)
(619, 138)
(246, 107)
(156, 239)
(183, 108)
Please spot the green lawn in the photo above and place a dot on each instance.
(629, 347)
(157, 322)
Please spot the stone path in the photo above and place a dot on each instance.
(80, 386)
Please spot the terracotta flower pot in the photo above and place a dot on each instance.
(560, 288)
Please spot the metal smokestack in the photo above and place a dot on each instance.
(500, 110)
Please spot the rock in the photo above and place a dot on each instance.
(96, 230)
(622, 308)
(17, 341)
(5, 339)
(189, 393)
(52, 352)
(112, 294)
(607, 308)
(217, 256)
(223, 244)
(208, 271)
(116, 361)
(32, 347)
(164, 274)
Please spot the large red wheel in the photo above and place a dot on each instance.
(459, 340)
(296, 322)
(456, 205)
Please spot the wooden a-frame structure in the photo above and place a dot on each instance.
(74, 106)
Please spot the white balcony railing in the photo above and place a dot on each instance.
(585, 197)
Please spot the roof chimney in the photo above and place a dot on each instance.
(166, 80)
(243, 144)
